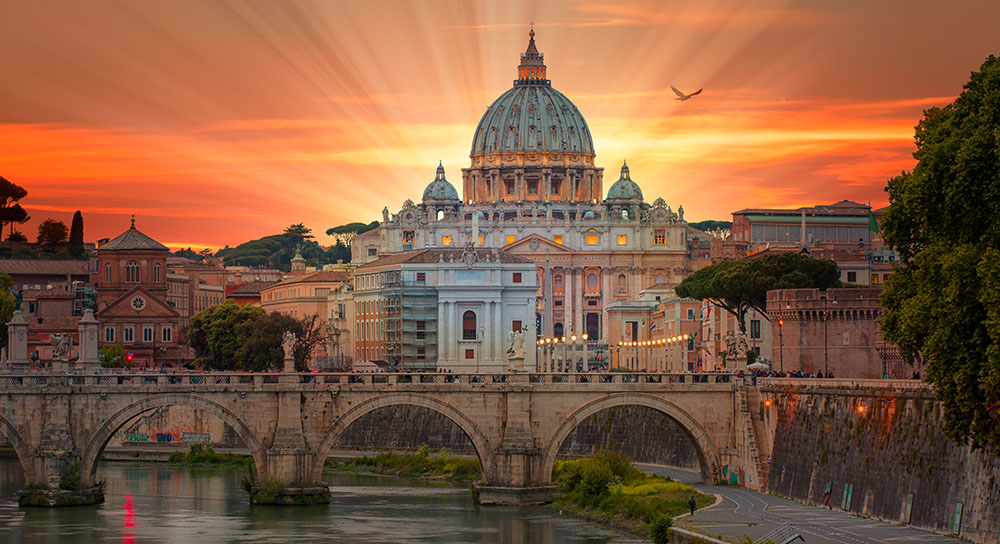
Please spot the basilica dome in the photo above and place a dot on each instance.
(532, 117)
(440, 188)
(625, 189)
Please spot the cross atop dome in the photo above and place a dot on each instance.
(531, 71)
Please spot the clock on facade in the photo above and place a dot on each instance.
(138, 303)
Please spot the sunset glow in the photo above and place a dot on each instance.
(215, 123)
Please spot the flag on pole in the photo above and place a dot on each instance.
(872, 223)
(652, 325)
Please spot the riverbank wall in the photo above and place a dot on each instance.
(876, 448)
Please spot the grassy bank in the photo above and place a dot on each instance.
(414, 465)
(607, 489)
(199, 455)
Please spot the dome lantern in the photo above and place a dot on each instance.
(531, 71)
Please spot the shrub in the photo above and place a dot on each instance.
(659, 529)
(70, 478)
(595, 482)
(424, 450)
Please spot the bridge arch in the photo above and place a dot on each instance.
(478, 439)
(708, 455)
(99, 440)
(21, 449)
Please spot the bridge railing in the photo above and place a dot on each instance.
(222, 379)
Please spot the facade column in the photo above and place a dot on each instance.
(501, 332)
(578, 305)
(569, 296)
(547, 300)
(442, 332)
(454, 329)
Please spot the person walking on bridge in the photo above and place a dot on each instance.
(692, 504)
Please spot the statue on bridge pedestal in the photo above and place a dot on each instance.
(288, 345)
(736, 348)
(61, 346)
(515, 350)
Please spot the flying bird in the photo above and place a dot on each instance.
(681, 96)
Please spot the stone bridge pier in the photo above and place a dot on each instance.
(59, 425)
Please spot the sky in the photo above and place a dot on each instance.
(219, 122)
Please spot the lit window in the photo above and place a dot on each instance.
(557, 284)
(659, 237)
(622, 239)
(446, 240)
(408, 237)
(557, 238)
(510, 239)
(591, 237)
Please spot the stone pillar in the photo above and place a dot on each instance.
(569, 296)
(441, 332)
(547, 300)
(500, 332)
(87, 358)
(519, 478)
(17, 340)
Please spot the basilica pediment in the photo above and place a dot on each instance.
(137, 302)
(536, 244)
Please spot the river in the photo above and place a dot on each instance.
(151, 502)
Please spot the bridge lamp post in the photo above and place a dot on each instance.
(684, 339)
(547, 354)
(781, 345)
(618, 356)
(572, 353)
(565, 367)
(586, 363)
(538, 348)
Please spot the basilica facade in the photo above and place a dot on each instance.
(533, 189)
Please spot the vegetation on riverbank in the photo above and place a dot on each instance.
(204, 455)
(414, 465)
(606, 488)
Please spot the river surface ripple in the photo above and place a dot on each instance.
(149, 502)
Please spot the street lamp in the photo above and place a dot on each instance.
(586, 361)
(781, 345)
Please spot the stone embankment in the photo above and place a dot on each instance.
(877, 449)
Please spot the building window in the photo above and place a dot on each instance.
(478, 241)
(557, 330)
(446, 240)
(372, 251)
(470, 354)
(874, 279)
(557, 238)
(592, 284)
(421, 354)
(659, 237)
(469, 325)
(510, 187)
(852, 277)
(754, 328)
(532, 187)
(510, 239)
(421, 330)
(555, 186)
(591, 237)
(621, 283)
(557, 284)
(517, 277)
(408, 237)
(107, 273)
(167, 334)
(421, 277)
(659, 278)
(691, 313)
(156, 273)
(132, 272)
(109, 334)
(147, 334)
(128, 334)
(622, 239)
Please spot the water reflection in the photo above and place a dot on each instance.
(156, 503)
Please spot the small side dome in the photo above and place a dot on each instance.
(589, 214)
(440, 189)
(625, 189)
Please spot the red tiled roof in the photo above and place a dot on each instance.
(252, 288)
(43, 267)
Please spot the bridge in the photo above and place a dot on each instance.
(289, 421)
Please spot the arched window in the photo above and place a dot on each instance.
(557, 330)
(592, 283)
(156, 273)
(557, 284)
(469, 325)
(440, 215)
(132, 272)
(621, 283)
(107, 273)
(659, 278)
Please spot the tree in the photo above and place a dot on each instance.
(943, 299)
(8, 305)
(52, 233)
(346, 233)
(710, 225)
(10, 211)
(737, 286)
(17, 236)
(275, 251)
(299, 230)
(76, 235)
(246, 338)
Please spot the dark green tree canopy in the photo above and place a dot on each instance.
(246, 338)
(76, 235)
(275, 251)
(711, 225)
(943, 300)
(299, 230)
(52, 233)
(740, 285)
